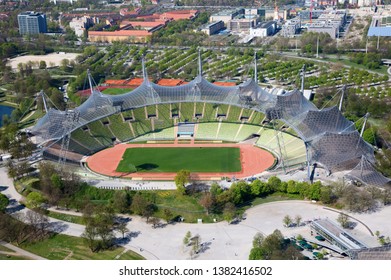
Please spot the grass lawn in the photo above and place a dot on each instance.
(66, 217)
(180, 205)
(346, 61)
(273, 198)
(60, 247)
(12, 258)
(201, 159)
(5, 249)
(116, 91)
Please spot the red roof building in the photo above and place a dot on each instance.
(225, 84)
(170, 82)
(142, 24)
(140, 36)
(180, 14)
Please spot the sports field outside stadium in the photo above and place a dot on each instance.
(194, 159)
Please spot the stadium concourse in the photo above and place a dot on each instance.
(328, 139)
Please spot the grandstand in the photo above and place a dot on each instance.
(206, 131)
(246, 131)
(186, 112)
(331, 140)
(119, 128)
(209, 112)
(163, 134)
(234, 114)
(222, 111)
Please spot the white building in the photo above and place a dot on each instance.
(264, 29)
(79, 25)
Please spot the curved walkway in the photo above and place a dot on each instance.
(224, 241)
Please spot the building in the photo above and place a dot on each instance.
(143, 25)
(179, 14)
(226, 15)
(333, 31)
(137, 36)
(264, 29)
(291, 27)
(336, 235)
(380, 27)
(32, 23)
(59, 1)
(213, 28)
(80, 25)
(239, 25)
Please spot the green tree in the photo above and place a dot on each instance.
(207, 201)
(181, 179)
(168, 215)
(139, 204)
(42, 64)
(298, 219)
(34, 200)
(229, 212)
(121, 201)
(287, 220)
(343, 220)
(3, 202)
(187, 237)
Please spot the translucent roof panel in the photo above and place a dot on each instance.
(336, 151)
(313, 123)
(367, 174)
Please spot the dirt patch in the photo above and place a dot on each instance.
(53, 59)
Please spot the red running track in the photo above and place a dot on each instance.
(253, 159)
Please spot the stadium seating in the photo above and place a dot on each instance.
(246, 113)
(120, 129)
(228, 131)
(79, 148)
(199, 108)
(246, 131)
(140, 128)
(222, 110)
(175, 110)
(151, 110)
(256, 118)
(209, 113)
(101, 133)
(292, 148)
(234, 114)
(145, 124)
(84, 138)
(164, 117)
(164, 134)
(187, 112)
(206, 131)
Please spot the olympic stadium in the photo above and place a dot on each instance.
(284, 123)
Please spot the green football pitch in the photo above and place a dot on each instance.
(200, 159)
